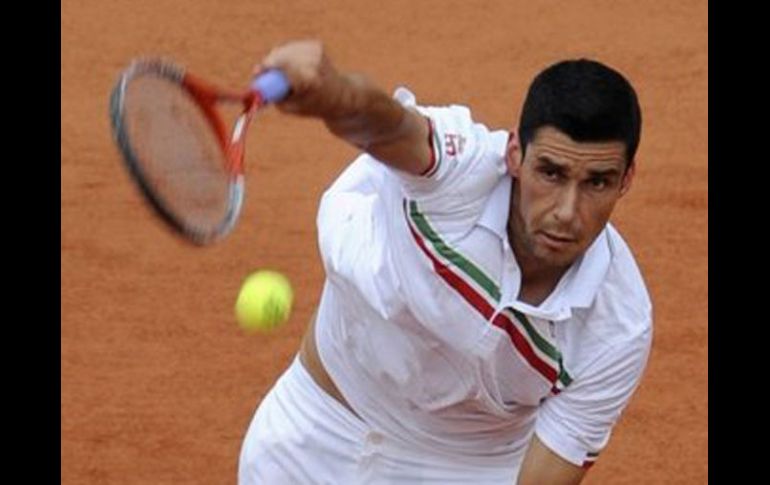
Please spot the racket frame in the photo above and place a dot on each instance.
(206, 97)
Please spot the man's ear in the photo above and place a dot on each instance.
(513, 153)
(628, 177)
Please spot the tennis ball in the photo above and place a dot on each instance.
(264, 301)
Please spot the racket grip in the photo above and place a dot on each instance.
(272, 85)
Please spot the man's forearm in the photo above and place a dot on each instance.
(364, 115)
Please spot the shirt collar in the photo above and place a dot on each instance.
(495, 215)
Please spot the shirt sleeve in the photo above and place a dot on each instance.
(576, 424)
(467, 163)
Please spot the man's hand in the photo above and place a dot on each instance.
(315, 84)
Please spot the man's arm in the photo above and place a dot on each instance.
(352, 107)
(541, 465)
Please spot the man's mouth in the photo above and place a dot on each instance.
(556, 240)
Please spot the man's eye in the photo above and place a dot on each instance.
(599, 183)
(550, 173)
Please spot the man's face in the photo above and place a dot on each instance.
(564, 195)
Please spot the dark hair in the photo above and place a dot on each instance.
(586, 100)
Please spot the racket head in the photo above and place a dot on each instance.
(176, 150)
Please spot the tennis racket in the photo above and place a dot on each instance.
(177, 147)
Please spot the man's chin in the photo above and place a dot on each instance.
(555, 258)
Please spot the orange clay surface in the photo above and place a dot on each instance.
(159, 384)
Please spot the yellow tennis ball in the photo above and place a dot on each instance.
(264, 301)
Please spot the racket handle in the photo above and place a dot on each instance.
(272, 85)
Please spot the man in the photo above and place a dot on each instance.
(481, 321)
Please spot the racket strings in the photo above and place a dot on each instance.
(176, 150)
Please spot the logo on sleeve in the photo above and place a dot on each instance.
(454, 143)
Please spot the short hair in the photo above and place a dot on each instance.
(586, 100)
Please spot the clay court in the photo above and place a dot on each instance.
(159, 384)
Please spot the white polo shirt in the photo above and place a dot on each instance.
(420, 327)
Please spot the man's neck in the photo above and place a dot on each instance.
(537, 280)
